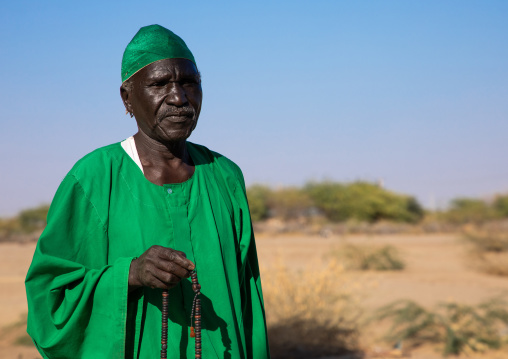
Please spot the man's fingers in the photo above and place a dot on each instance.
(181, 253)
(177, 257)
(169, 280)
(157, 283)
(173, 268)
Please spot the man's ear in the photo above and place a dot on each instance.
(125, 95)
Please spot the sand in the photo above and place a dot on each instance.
(437, 271)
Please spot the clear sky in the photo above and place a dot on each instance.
(414, 93)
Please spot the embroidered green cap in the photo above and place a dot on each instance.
(152, 43)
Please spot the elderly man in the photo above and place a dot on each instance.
(135, 217)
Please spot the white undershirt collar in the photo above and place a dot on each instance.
(129, 145)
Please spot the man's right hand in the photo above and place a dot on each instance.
(159, 267)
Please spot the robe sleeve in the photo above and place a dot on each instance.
(253, 312)
(77, 300)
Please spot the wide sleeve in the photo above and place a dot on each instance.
(253, 311)
(77, 300)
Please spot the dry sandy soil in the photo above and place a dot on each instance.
(436, 271)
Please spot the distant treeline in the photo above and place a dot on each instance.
(364, 202)
(26, 222)
(476, 211)
(333, 201)
(338, 202)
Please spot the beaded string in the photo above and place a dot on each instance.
(164, 337)
(195, 331)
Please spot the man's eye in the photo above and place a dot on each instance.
(158, 83)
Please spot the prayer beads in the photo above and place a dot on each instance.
(195, 330)
(196, 314)
(164, 337)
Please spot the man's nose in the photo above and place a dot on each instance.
(176, 95)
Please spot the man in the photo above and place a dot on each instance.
(135, 217)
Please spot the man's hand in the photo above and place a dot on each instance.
(159, 267)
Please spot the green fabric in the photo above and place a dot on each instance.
(104, 214)
(152, 43)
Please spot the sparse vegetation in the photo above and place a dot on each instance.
(289, 203)
(26, 226)
(501, 205)
(469, 210)
(18, 332)
(24, 340)
(488, 250)
(369, 257)
(258, 202)
(308, 317)
(362, 207)
(458, 328)
(324, 207)
(33, 219)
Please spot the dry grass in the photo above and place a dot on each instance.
(311, 313)
(17, 332)
(368, 257)
(488, 249)
(457, 328)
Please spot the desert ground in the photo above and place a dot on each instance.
(436, 271)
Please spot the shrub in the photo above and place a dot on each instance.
(458, 328)
(33, 219)
(501, 205)
(15, 333)
(257, 196)
(363, 201)
(310, 314)
(468, 210)
(289, 203)
(9, 226)
(488, 249)
(359, 201)
(488, 239)
(365, 257)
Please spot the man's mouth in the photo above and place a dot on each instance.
(177, 118)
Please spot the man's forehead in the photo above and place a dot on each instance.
(171, 67)
(150, 44)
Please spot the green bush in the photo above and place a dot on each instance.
(363, 201)
(257, 196)
(33, 219)
(329, 197)
(501, 205)
(26, 222)
(469, 210)
(289, 203)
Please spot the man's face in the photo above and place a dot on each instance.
(165, 97)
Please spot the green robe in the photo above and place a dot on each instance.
(104, 214)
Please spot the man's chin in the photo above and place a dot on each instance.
(173, 136)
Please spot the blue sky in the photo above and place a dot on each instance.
(413, 93)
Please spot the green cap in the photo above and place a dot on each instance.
(152, 43)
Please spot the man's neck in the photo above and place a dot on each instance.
(164, 162)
